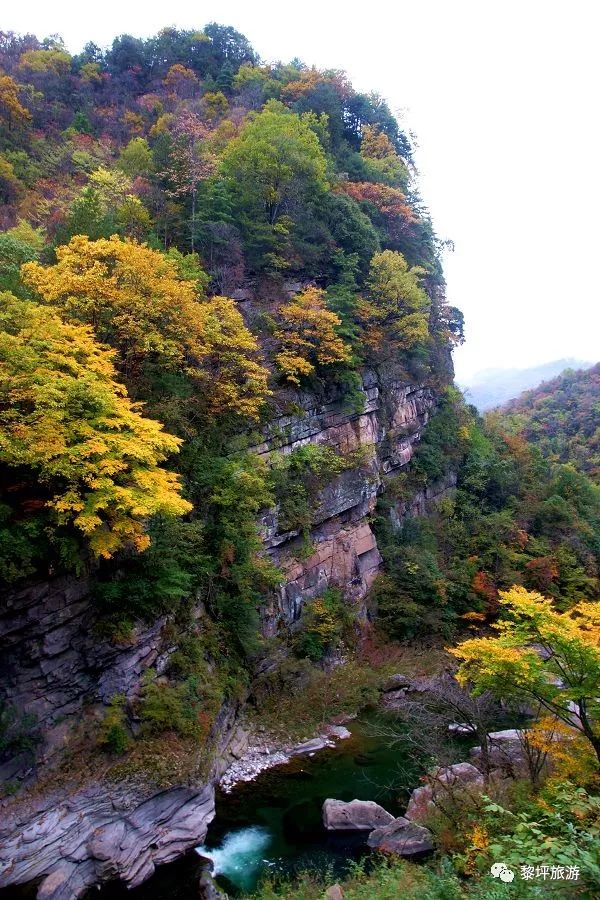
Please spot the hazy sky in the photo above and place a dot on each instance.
(503, 99)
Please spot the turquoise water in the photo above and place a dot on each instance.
(273, 824)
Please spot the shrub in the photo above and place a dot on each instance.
(114, 735)
(324, 622)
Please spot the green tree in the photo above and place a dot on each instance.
(397, 313)
(274, 167)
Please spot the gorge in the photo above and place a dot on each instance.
(257, 552)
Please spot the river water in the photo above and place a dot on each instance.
(273, 824)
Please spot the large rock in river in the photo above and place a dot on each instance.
(402, 838)
(357, 815)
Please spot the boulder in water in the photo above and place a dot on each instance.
(357, 815)
(318, 743)
(402, 838)
(207, 886)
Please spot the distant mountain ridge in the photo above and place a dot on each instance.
(494, 387)
(562, 417)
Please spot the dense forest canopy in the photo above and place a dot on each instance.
(193, 244)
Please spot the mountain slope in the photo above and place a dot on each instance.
(562, 417)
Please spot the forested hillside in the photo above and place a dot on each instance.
(142, 188)
(562, 417)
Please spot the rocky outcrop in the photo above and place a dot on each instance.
(249, 760)
(506, 751)
(423, 502)
(53, 666)
(103, 832)
(357, 815)
(345, 550)
(401, 838)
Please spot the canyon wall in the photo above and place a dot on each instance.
(54, 666)
(345, 550)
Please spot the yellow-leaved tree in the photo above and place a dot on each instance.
(73, 437)
(137, 302)
(308, 337)
(543, 656)
(396, 313)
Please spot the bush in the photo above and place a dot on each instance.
(325, 620)
(410, 599)
(18, 731)
(114, 735)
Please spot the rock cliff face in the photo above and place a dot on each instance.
(53, 665)
(345, 550)
(55, 669)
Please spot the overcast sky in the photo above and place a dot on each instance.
(503, 99)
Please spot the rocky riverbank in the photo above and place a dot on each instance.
(261, 754)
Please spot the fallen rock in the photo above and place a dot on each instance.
(505, 751)
(461, 728)
(318, 743)
(337, 731)
(207, 886)
(357, 815)
(402, 838)
(462, 772)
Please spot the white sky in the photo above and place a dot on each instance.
(503, 98)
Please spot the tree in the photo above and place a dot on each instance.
(275, 160)
(275, 169)
(137, 302)
(380, 156)
(397, 313)
(135, 159)
(12, 112)
(13, 253)
(308, 336)
(93, 458)
(181, 81)
(541, 655)
(190, 163)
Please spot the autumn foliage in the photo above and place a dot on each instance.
(65, 417)
(308, 337)
(135, 300)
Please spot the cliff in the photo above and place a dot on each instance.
(345, 550)
(56, 671)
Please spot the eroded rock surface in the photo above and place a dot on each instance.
(103, 832)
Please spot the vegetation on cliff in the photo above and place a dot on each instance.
(514, 518)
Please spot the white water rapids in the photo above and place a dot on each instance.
(240, 855)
